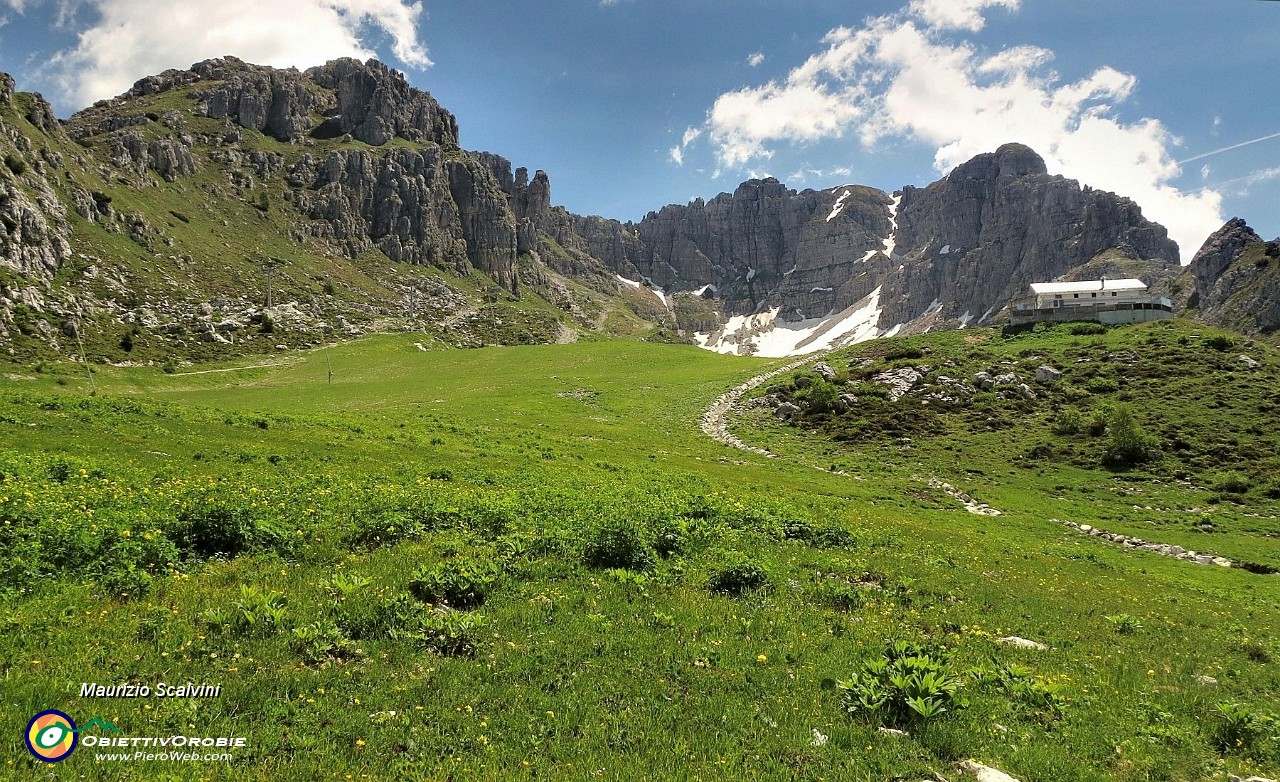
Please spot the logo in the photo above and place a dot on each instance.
(51, 736)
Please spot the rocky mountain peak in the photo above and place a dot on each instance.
(6, 87)
(1221, 250)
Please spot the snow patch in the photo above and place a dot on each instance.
(986, 314)
(965, 318)
(790, 271)
(751, 274)
(703, 290)
(821, 290)
(625, 281)
(946, 250)
(839, 207)
(868, 256)
(891, 243)
(764, 335)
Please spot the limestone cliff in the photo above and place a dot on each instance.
(1234, 280)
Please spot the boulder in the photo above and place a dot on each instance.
(985, 773)
(1047, 374)
(786, 410)
(984, 381)
(1021, 643)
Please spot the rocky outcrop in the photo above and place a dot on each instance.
(6, 87)
(170, 158)
(375, 104)
(276, 102)
(34, 234)
(1235, 280)
(415, 206)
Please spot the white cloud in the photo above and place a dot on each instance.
(135, 38)
(677, 152)
(957, 14)
(17, 5)
(903, 76)
(755, 59)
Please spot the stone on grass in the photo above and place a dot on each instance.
(985, 773)
(1021, 643)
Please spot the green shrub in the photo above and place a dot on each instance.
(619, 544)
(1127, 443)
(1102, 385)
(822, 397)
(738, 577)
(1068, 421)
(1233, 483)
(907, 684)
(456, 583)
(840, 594)
(216, 528)
(320, 641)
(127, 583)
(1220, 342)
(1088, 329)
(257, 614)
(823, 536)
(1239, 729)
(15, 164)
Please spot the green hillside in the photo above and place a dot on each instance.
(404, 560)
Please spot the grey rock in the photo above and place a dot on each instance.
(1047, 374)
(985, 773)
(786, 410)
(1021, 643)
(824, 370)
(1249, 362)
(1026, 392)
(984, 381)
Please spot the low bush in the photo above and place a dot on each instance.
(907, 684)
(739, 576)
(456, 583)
(619, 544)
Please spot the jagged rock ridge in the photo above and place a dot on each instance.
(1234, 280)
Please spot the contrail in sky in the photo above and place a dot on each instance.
(1228, 149)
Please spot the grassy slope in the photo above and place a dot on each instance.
(583, 671)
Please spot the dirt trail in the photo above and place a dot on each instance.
(713, 420)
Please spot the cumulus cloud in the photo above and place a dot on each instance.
(755, 59)
(135, 38)
(907, 76)
(957, 14)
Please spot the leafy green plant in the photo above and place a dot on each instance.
(320, 641)
(907, 684)
(456, 583)
(739, 576)
(257, 614)
(446, 632)
(1124, 624)
(1241, 730)
(619, 543)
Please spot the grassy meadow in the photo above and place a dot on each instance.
(528, 563)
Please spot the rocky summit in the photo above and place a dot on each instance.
(344, 192)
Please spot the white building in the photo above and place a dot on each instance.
(1105, 301)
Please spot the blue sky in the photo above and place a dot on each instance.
(632, 104)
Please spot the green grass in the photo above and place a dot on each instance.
(654, 605)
